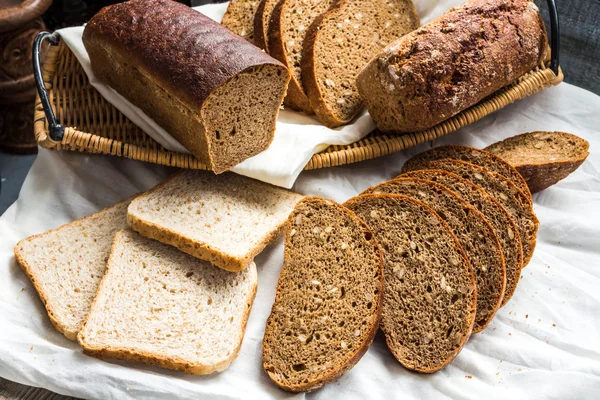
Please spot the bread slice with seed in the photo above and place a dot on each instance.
(430, 296)
(543, 158)
(500, 188)
(329, 297)
(262, 20)
(494, 212)
(239, 18)
(287, 32)
(226, 219)
(159, 306)
(340, 43)
(474, 233)
(471, 155)
(65, 265)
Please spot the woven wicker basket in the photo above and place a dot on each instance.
(88, 123)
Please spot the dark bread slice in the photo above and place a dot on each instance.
(239, 18)
(329, 297)
(514, 201)
(543, 158)
(430, 295)
(474, 233)
(262, 19)
(340, 43)
(496, 214)
(471, 155)
(287, 31)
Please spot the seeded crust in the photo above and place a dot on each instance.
(262, 20)
(496, 214)
(543, 158)
(430, 293)
(329, 297)
(340, 43)
(514, 201)
(474, 233)
(239, 18)
(287, 32)
(474, 156)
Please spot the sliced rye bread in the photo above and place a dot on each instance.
(159, 306)
(502, 189)
(262, 20)
(329, 297)
(471, 155)
(474, 233)
(340, 43)
(65, 265)
(542, 158)
(287, 32)
(430, 297)
(495, 213)
(226, 219)
(239, 18)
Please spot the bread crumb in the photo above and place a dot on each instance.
(469, 376)
(526, 315)
(554, 325)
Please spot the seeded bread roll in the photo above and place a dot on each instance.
(430, 297)
(474, 233)
(262, 20)
(329, 297)
(239, 18)
(543, 158)
(471, 155)
(495, 213)
(340, 43)
(503, 190)
(451, 63)
(177, 65)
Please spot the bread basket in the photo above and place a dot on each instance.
(71, 115)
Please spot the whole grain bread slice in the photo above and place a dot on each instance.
(430, 295)
(495, 213)
(471, 155)
(340, 43)
(226, 219)
(159, 306)
(542, 158)
(329, 297)
(502, 189)
(287, 32)
(262, 19)
(474, 233)
(239, 18)
(65, 265)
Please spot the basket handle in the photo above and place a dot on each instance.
(554, 36)
(56, 130)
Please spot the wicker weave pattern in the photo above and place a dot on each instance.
(81, 109)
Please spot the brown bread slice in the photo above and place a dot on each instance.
(503, 190)
(474, 233)
(340, 43)
(430, 295)
(471, 155)
(329, 297)
(239, 18)
(496, 214)
(262, 20)
(543, 158)
(287, 31)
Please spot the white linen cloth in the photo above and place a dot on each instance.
(545, 343)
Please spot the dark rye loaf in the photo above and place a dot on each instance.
(329, 297)
(474, 233)
(430, 295)
(453, 62)
(495, 213)
(239, 18)
(217, 94)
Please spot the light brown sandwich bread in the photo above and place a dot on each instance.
(495, 213)
(65, 265)
(262, 20)
(543, 158)
(239, 18)
(159, 306)
(474, 233)
(340, 43)
(329, 297)
(226, 219)
(430, 295)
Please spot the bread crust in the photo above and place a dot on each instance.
(261, 27)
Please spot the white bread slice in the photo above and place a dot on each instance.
(65, 265)
(226, 219)
(162, 307)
